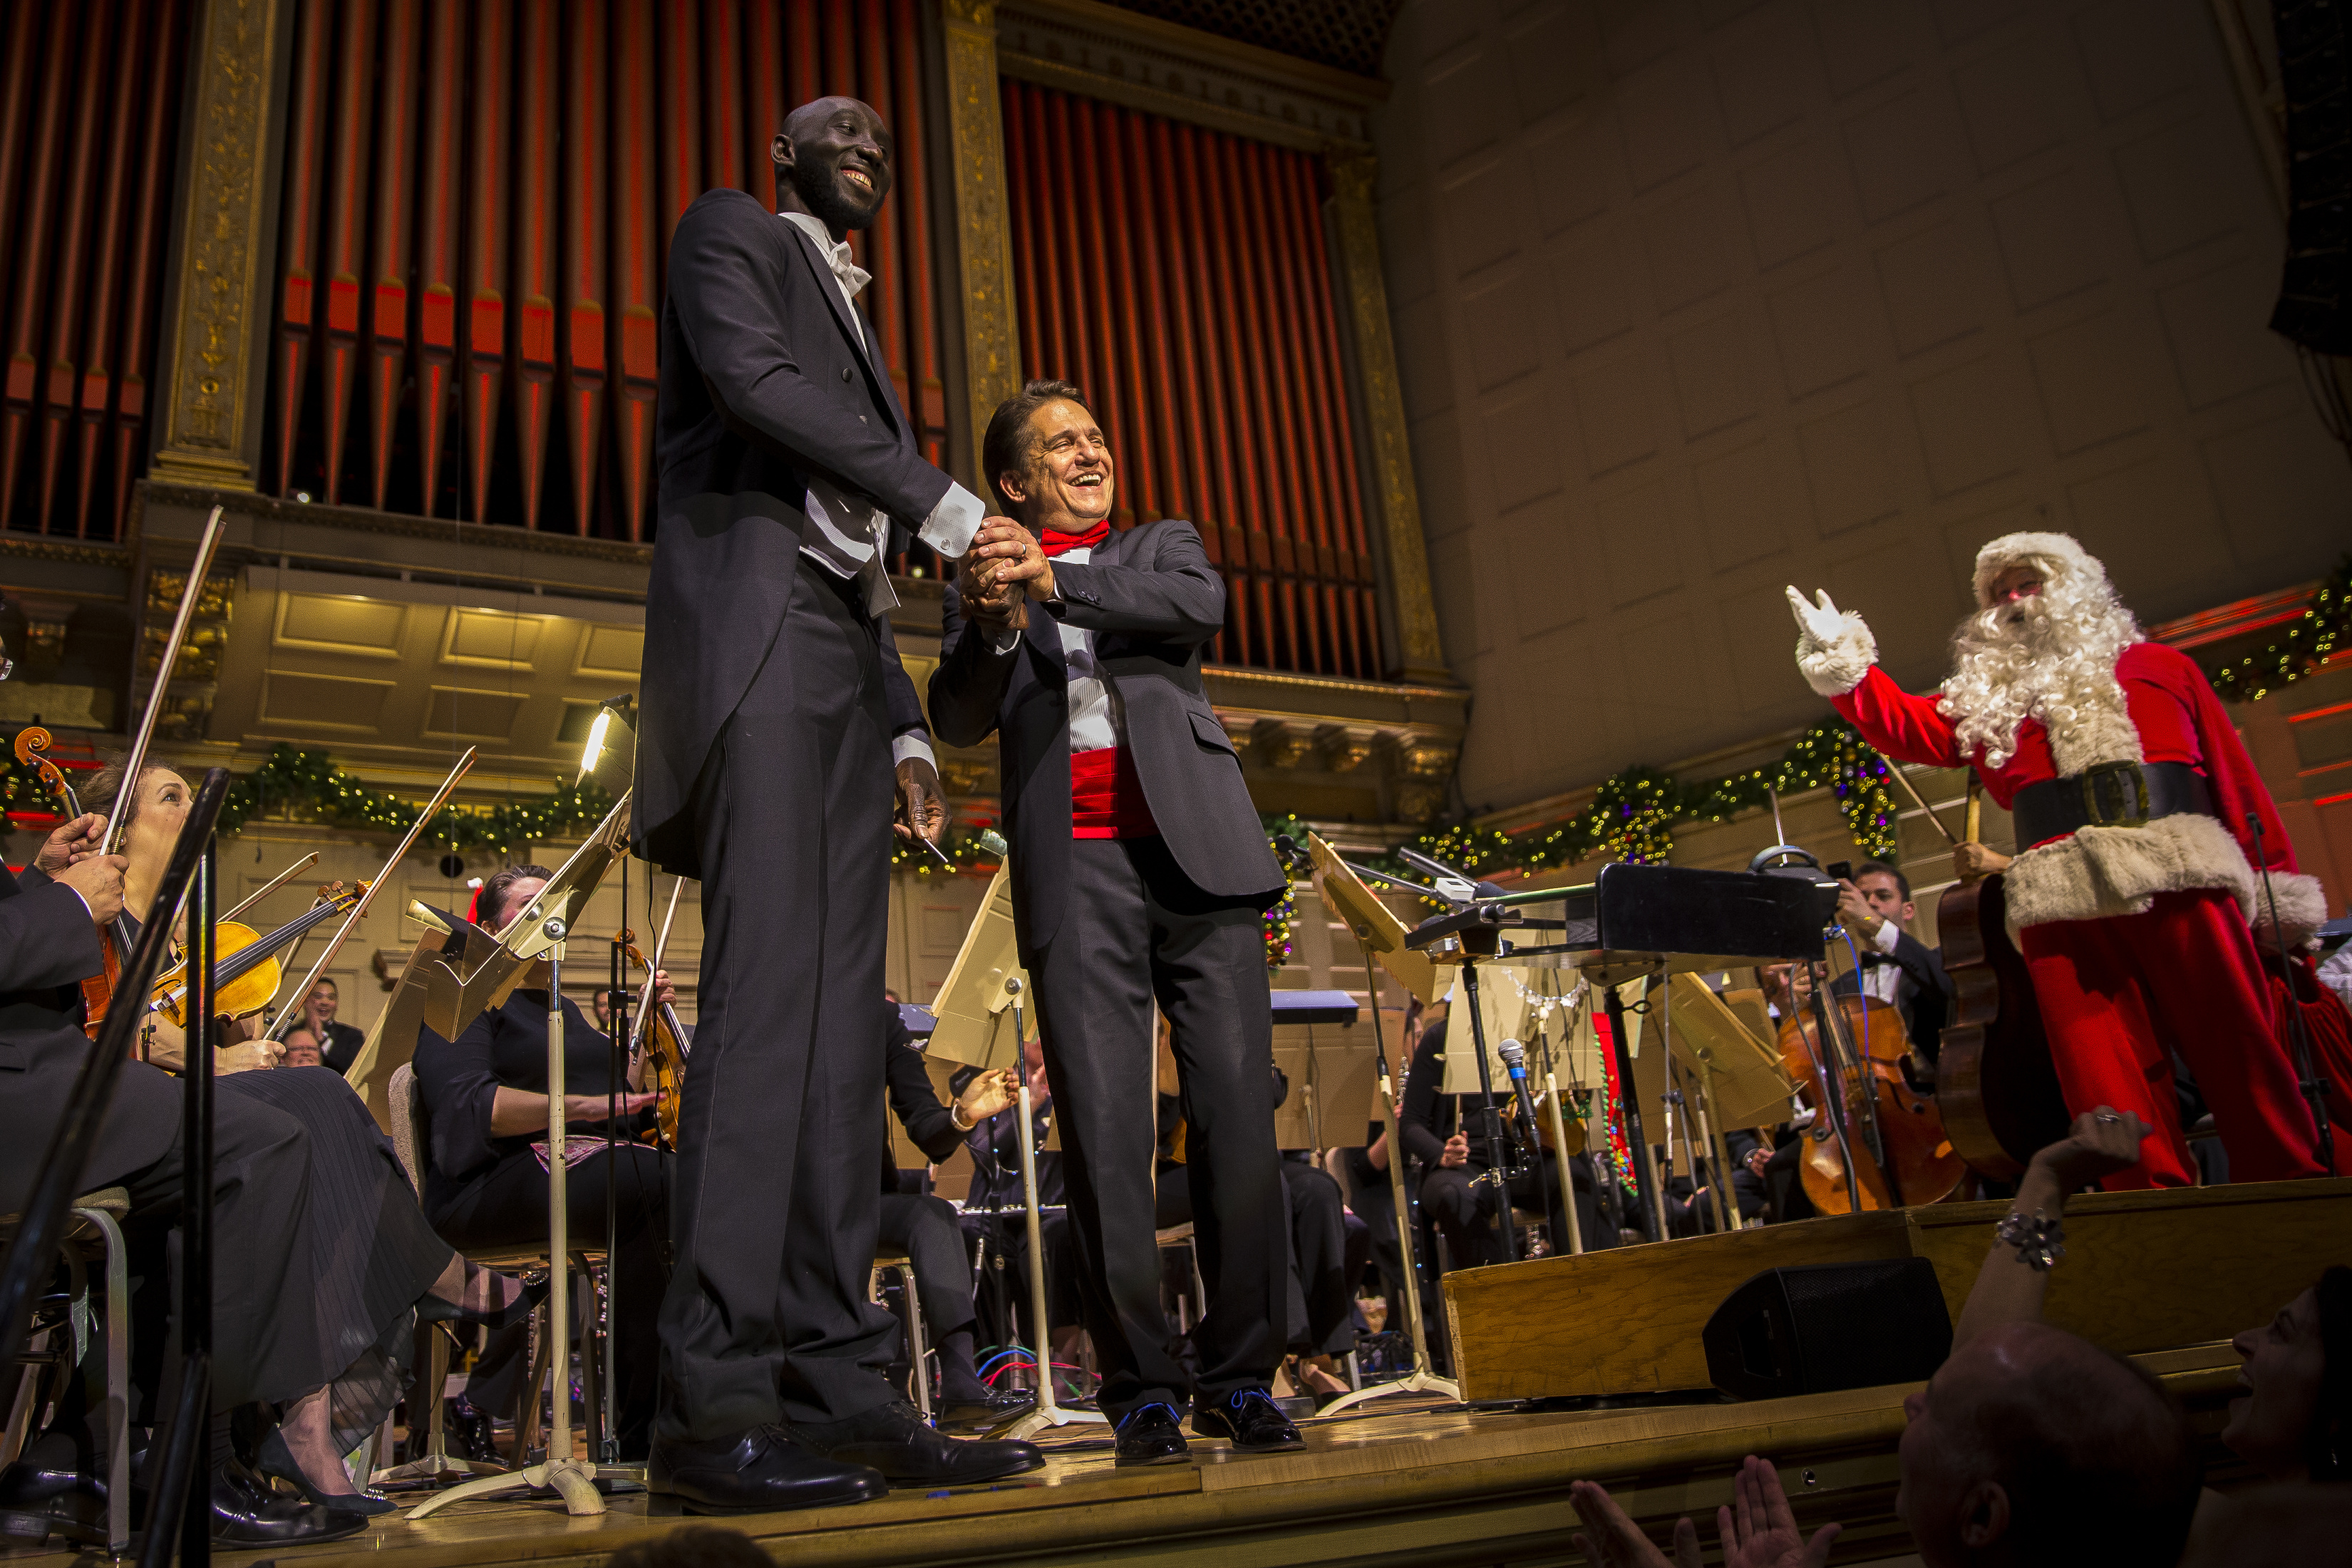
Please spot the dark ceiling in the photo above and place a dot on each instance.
(1349, 34)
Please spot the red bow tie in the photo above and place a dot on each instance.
(1054, 543)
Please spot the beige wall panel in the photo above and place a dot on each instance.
(1692, 300)
(490, 640)
(333, 623)
(323, 702)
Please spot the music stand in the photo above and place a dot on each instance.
(986, 983)
(1378, 931)
(1335, 1079)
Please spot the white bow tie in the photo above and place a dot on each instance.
(853, 277)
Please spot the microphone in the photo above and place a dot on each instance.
(1515, 1062)
(1294, 860)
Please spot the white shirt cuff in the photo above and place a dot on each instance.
(953, 521)
(1888, 934)
(913, 743)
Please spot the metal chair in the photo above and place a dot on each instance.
(918, 1352)
(97, 1235)
(1181, 1236)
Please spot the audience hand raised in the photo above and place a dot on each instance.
(1758, 1530)
(2101, 1142)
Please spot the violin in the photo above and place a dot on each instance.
(97, 990)
(245, 970)
(1994, 1076)
(659, 1036)
(1895, 1134)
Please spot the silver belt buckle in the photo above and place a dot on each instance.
(2122, 785)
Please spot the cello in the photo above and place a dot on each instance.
(1994, 1077)
(1895, 1135)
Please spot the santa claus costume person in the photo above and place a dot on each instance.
(2137, 898)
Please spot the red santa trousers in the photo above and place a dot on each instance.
(2115, 993)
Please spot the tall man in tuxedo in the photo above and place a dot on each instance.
(1140, 870)
(775, 710)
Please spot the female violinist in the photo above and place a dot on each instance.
(362, 1258)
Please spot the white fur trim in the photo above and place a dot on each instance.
(2106, 871)
(2302, 906)
(2101, 730)
(1835, 667)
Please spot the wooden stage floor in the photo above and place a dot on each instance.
(1426, 1486)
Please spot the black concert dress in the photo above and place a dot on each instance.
(483, 1191)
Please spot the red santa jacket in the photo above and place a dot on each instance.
(2179, 719)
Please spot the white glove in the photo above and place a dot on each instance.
(1834, 648)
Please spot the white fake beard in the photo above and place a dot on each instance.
(2052, 657)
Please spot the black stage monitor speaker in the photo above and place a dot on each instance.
(2315, 305)
(1828, 1326)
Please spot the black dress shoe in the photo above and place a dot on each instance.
(752, 1472)
(1251, 1419)
(35, 1502)
(245, 1512)
(896, 1440)
(1148, 1435)
(474, 1432)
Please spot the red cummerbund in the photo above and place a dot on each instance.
(1106, 796)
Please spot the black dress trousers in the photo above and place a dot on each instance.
(1133, 928)
(774, 1207)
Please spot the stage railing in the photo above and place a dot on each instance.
(34, 1257)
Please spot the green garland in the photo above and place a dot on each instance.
(1633, 814)
(1283, 914)
(2327, 619)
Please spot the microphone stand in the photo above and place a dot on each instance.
(2307, 1064)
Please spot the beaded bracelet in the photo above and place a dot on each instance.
(2040, 1241)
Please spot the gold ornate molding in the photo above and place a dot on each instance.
(212, 396)
(983, 240)
(1418, 655)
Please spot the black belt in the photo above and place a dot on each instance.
(2113, 795)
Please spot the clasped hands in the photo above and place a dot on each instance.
(1000, 573)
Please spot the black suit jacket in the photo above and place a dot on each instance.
(48, 946)
(1923, 992)
(929, 1125)
(767, 378)
(1152, 600)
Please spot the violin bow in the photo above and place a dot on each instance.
(432, 809)
(653, 965)
(134, 761)
(273, 883)
(1895, 771)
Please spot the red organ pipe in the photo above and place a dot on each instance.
(682, 114)
(298, 296)
(65, 306)
(395, 166)
(639, 224)
(489, 189)
(880, 298)
(94, 378)
(1021, 210)
(140, 305)
(436, 244)
(354, 93)
(722, 65)
(840, 65)
(929, 407)
(802, 53)
(763, 58)
(586, 223)
(21, 392)
(532, 355)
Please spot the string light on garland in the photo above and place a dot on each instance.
(1282, 915)
(961, 846)
(2310, 642)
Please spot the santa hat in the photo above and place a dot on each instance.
(2058, 554)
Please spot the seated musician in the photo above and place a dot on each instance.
(2150, 839)
(1787, 990)
(1897, 968)
(485, 1096)
(1441, 1130)
(924, 1228)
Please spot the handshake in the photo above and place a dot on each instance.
(1003, 571)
